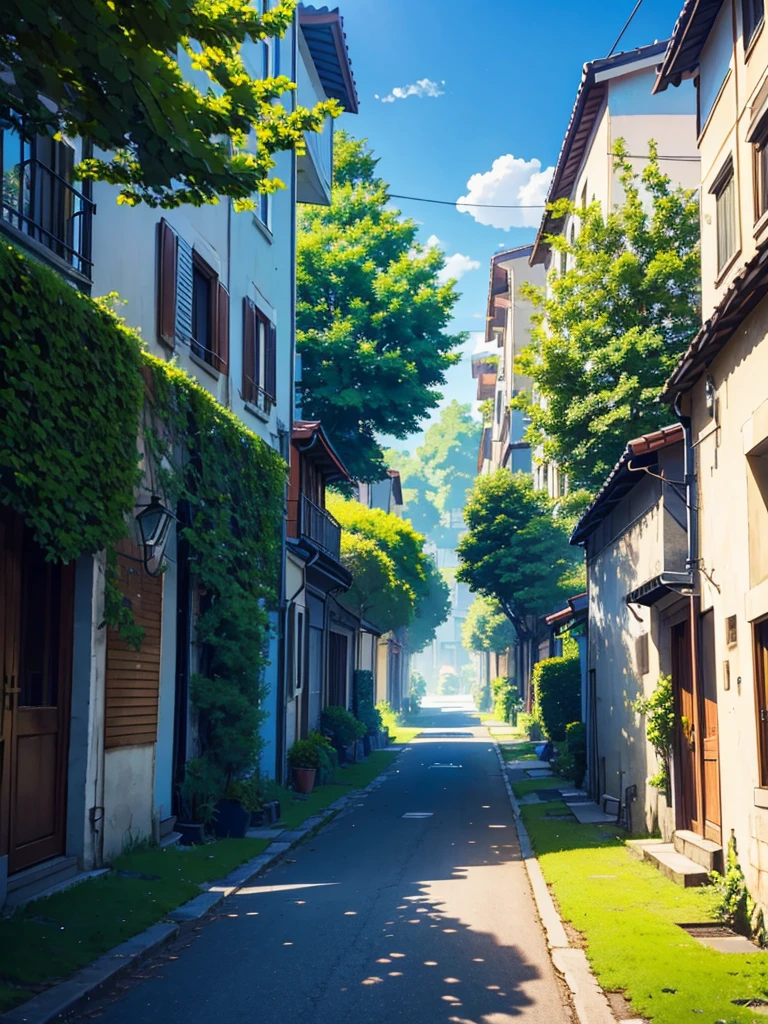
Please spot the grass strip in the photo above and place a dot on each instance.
(49, 939)
(629, 914)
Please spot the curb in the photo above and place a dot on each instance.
(68, 995)
(589, 1001)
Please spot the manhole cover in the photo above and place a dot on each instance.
(709, 931)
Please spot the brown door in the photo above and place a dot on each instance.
(710, 743)
(37, 655)
(685, 740)
(761, 696)
(337, 670)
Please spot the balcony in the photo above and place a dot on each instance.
(40, 207)
(319, 526)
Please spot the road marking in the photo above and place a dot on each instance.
(418, 814)
(437, 764)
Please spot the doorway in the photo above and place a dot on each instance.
(36, 607)
(685, 740)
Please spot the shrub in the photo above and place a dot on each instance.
(329, 759)
(557, 686)
(362, 701)
(659, 710)
(735, 906)
(305, 754)
(341, 727)
(506, 704)
(448, 683)
(199, 791)
(531, 725)
(576, 740)
(417, 692)
(390, 719)
(481, 695)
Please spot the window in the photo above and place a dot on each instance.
(724, 190)
(760, 171)
(37, 197)
(641, 654)
(761, 696)
(752, 15)
(203, 284)
(259, 358)
(731, 634)
(192, 303)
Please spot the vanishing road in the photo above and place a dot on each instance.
(380, 917)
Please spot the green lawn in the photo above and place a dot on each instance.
(50, 939)
(523, 751)
(629, 912)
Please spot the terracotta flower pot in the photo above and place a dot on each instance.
(304, 779)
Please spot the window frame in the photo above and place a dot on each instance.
(203, 269)
(749, 27)
(723, 185)
(760, 171)
(760, 653)
(259, 390)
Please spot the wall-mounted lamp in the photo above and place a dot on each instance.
(154, 522)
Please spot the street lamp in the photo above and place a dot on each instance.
(154, 523)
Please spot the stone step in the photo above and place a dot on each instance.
(26, 884)
(663, 856)
(698, 849)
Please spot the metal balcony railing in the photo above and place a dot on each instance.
(319, 526)
(40, 203)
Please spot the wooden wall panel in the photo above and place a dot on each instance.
(133, 677)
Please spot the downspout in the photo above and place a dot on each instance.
(692, 566)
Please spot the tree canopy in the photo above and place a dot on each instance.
(486, 627)
(610, 328)
(515, 550)
(437, 478)
(163, 89)
(371, 316)
(395, 583)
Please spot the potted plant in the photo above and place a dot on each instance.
(198, 793)
(241, 798)
(344, 730)
(329, 759)
(304, 759)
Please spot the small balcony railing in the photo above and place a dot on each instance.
(41, 204)
(319, 526)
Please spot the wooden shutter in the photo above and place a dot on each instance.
(270, 359)
(249, 346)
(166, 290)
(222, 328)
(133, 677)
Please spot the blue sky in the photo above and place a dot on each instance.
(507, 72)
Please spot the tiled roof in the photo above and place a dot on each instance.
(324, 33)
(688, 37)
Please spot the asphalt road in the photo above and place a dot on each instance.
(378, 918)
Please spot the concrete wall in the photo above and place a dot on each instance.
(627, 550)
(732, 514)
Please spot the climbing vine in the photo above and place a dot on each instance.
(70, 398)
(233, 485)
(76, 393)
(659, 710)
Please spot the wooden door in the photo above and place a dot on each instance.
(337, 670)
(710, 742)
(685, 739)
(38, 705)
(761, 696)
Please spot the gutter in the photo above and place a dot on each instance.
(691, 507)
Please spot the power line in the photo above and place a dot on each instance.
(626, 26)
(684, 158)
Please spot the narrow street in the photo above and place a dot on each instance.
(380, 917)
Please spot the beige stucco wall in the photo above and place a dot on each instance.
(739, 373)
(724, 135)
(619, 560)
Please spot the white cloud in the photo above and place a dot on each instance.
(511, 181)
(478, 316)
(422, 87)
(432, 242)
(456, 267)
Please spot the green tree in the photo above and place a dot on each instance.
(396, 583)
(431, 611)
(371, 317)
(161, 88)
(609, 330)
(375, 593)
(515, 550)
(486, 627)
(449, 455)
(418, 493)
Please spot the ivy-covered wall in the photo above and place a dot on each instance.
(76, 388)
